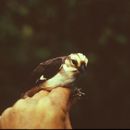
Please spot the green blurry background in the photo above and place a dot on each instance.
(32, 31)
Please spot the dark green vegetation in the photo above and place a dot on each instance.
(34, 30)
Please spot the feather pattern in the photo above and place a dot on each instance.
(47, 69)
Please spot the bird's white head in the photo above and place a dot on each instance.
(75, 62)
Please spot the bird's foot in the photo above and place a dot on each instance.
(78, 92)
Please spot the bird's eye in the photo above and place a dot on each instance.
(75, 62)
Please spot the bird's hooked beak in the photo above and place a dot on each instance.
(82, 67)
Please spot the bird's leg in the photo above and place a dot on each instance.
(77, 92)
(76, 95)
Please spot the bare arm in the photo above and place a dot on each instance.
(45, 110)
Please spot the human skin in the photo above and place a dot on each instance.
(45, 110)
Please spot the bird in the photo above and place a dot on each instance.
(58, 72)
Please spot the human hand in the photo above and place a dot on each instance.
(45, 110)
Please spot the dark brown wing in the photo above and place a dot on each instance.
(48, 68)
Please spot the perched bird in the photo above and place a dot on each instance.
(58, 72)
